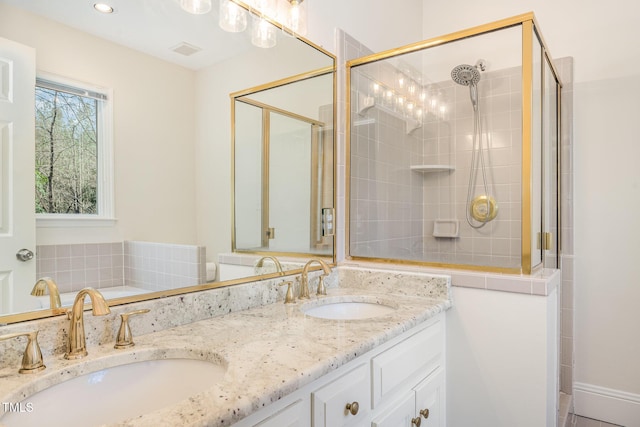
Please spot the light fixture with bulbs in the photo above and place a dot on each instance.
(233, 18)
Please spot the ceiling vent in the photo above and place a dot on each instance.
(186, 49)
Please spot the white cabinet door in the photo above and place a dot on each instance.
(294, 415)
(329, 403)
(430, 400)
(17, 177)
(423, 406)
(410, 359)
(399, 414)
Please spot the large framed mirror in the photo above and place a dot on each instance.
(164, 78)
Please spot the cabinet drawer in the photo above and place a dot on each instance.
(293, 415)
(329, 403)
(414, 357)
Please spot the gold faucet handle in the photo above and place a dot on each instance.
(289, 298)
(32, 357)
(322, 290)
(125, 338)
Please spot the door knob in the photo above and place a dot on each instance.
(24, 255)
(416, 421)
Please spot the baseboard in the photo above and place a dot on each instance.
(605, 404)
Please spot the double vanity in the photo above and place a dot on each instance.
(370, 352)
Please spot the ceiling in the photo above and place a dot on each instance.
(155, 27)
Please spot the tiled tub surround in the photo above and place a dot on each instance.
(269, 349)
(143, 265)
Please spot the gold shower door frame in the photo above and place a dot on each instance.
(530, 34)
(315, 130)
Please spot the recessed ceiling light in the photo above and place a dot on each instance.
(103, 8)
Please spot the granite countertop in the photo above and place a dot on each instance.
(269, 352)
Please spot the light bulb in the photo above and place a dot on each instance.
(263, 34)
(196, 7)
(296, 19)
(103, 8)
(233, 18)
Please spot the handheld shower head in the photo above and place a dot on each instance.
(469, 75)
(465, 75)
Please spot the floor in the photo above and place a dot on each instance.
(567, 419)
(576, 421)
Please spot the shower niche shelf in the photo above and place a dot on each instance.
(432, 168)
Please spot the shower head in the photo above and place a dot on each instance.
(465, 75)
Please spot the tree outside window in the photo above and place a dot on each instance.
(66, 152)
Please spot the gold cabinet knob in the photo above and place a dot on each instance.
(424, 413)
(416, 421)
(353, 407)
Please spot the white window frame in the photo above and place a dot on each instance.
(106, 209)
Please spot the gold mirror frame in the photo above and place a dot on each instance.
(45, 313)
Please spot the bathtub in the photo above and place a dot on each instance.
(68, 298)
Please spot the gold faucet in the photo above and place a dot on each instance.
(47, 283)
(304, 285)
(260, 263)
(77, 342)
(32, 357)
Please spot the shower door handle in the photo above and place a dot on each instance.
(545, 241)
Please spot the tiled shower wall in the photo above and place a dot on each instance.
(565, 69)
(150, 266)
(386, 196)
(448, 140)
(394, 208)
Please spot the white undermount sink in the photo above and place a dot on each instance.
(117, 393)
(341, 309)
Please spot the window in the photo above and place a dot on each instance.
(73, 151)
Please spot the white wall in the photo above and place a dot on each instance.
(378, 24)
(500, 366)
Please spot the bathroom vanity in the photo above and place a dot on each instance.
(395, 384)
(282, 364)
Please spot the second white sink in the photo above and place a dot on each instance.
(349, 308)
(117, 393)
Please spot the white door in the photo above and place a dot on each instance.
(17, 178)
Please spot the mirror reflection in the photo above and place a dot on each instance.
(280, 133)
(159, 213)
